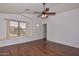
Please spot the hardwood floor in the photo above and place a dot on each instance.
(39, 48)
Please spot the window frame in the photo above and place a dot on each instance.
(8, 30)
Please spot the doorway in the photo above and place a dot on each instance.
(45, 31)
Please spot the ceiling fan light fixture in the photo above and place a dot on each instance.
(44, 16)
(44, 3)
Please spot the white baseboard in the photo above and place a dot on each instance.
(68, 44)
(16, 40)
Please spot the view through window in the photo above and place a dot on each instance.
(17, 28)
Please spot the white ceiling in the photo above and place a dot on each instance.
(20, 7)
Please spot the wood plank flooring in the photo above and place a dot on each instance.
(39, 48)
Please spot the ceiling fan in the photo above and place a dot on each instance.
(45, 13)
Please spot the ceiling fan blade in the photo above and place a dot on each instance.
(37, 12)
(32, 13)
(51, 13)
(29, 10)
(39, 15)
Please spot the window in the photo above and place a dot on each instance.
(17, 28)
(22, 29)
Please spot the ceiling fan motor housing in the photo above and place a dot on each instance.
(44, 3)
